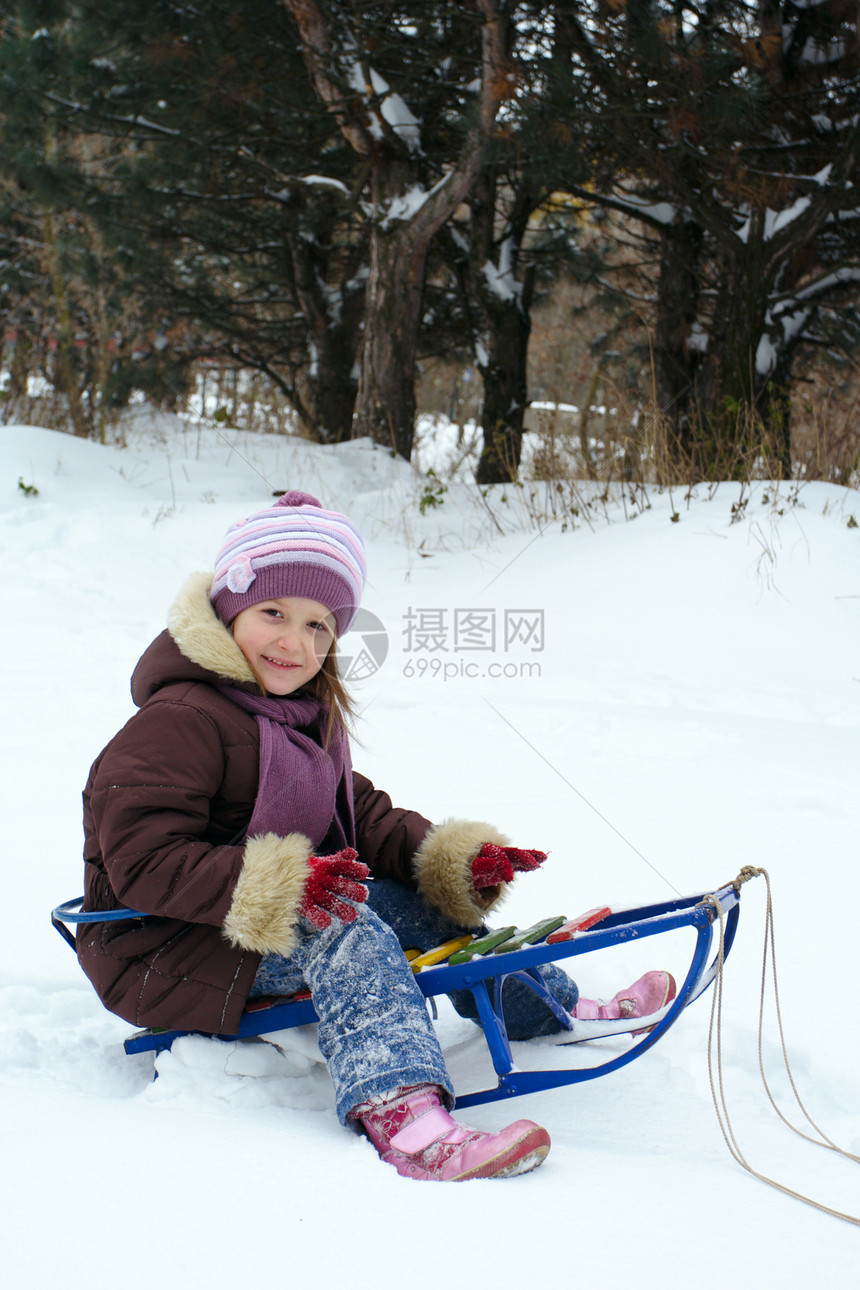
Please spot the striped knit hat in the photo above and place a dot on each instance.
(294, 548)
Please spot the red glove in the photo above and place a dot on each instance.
(493, 864)
(330, 878)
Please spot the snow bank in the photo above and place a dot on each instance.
(686, 702)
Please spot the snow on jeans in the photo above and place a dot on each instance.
(374, 1031)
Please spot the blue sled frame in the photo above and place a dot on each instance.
(486, 977)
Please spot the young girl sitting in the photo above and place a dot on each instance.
(227, 810)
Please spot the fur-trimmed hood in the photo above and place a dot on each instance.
(195, 647)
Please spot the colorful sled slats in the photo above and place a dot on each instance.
(441, 953)
(530, 936)
(581, 924)
(483, 945)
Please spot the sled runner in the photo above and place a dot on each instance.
(483, 965)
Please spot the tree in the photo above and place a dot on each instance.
(368, 63)
(225, 201)
(69, 320)
(732, 133)
(505, 244)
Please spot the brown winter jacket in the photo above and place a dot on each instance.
(166, 807)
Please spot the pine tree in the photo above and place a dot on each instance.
(226, 202)
(732, 135)
(68, 320)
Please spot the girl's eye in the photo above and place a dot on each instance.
(319, 627)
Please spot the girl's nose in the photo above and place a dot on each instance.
(289, 634)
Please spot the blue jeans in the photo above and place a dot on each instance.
(374, 1032)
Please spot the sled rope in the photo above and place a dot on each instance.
(715, 1056)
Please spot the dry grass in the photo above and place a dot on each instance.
(593, 415)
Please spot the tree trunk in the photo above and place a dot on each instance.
(776, 415)
(505, 376)
(503, 306)
(65, 375)
(333, 327)
(385, 403)
(332, 386)
(677, 345)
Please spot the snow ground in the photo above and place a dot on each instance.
(693, 708)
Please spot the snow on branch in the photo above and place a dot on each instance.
(770, 344)
(658, 212)
(817, 52)
(392, 107)
(776, 221)
(786, 319)
(136, 119)
(323, 181)
(405, 205)
(847, 276)
(500, 277)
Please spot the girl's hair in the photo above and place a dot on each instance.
(328, 687)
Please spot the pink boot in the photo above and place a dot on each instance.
(647, 995)
(412, 1131)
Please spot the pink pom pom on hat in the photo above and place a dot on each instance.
(294, 548)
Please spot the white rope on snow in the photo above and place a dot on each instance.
(715, 1056)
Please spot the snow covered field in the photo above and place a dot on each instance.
(656, 703)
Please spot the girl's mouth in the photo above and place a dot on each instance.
(278, 663)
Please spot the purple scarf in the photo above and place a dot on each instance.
(302, 788)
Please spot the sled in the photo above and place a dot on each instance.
(471, 964)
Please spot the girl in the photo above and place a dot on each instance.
(227, 809)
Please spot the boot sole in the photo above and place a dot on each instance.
(520, 1157)
(668, 996)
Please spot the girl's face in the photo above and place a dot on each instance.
(285, 641)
